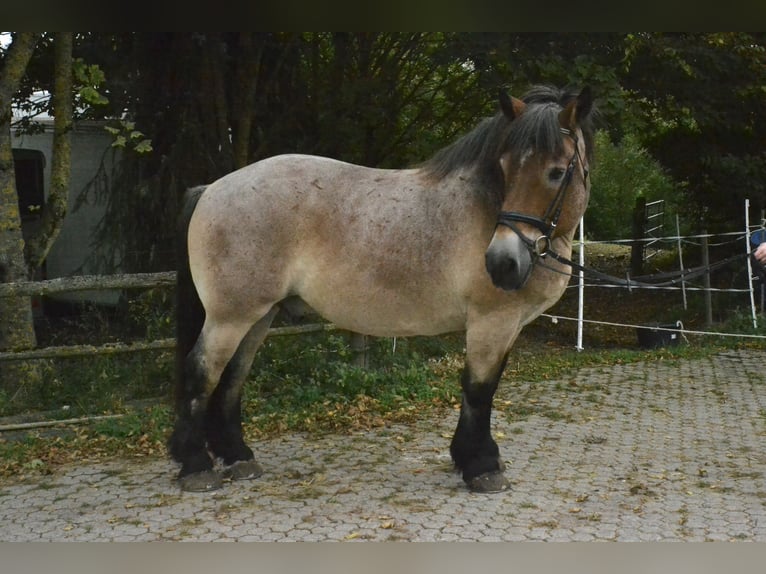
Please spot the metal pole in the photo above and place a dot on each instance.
(706, 280)
(681, 261)
(581, 287)
(749, 263)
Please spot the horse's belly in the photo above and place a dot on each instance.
(388, 316)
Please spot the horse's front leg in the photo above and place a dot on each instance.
(473, 449)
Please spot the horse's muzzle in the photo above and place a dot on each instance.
(508, 268)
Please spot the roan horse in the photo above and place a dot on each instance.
(458, 243)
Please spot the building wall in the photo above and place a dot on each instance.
(91, 147)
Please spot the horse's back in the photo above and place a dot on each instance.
(291, 202)
(283, 177)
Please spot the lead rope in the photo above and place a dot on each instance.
(673, 278)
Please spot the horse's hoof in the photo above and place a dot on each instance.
(489, 482)
(203, 481)
(243, 470)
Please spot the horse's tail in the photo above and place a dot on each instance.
(190, 314)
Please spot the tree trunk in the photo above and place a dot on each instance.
(245, 86)
(214, 106)
(16, 325)
(55, 210)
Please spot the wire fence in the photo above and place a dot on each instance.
(701, 240)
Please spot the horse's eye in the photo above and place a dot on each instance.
(556, 173)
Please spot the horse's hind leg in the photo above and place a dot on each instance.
(202, 370)
(224, 421)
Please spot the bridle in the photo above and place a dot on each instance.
(548, 222)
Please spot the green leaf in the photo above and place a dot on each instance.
(92, 96)
(144, 146)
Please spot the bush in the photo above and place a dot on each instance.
(622, 173)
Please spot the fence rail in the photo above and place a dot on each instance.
(102, 282)
(88, 283)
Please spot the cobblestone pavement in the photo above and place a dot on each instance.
(662, 450)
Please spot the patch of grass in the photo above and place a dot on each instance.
(314, 387)
(76, 387)
(138, 434)
(96, 383)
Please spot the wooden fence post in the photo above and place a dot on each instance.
(359, 350)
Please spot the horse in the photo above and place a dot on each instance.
(456, 243)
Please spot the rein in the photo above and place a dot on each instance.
(667, 279)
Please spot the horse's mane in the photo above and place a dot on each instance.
(481, 148)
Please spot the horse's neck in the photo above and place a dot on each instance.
(467, 190)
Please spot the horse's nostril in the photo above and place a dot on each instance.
(505, 271)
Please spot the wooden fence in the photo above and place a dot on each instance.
(101, 282)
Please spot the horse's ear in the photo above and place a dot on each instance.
(512, 107)
(577, 110)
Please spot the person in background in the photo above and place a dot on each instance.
(760, 253)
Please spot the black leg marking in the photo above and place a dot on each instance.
(473, 449)
(187, 443)
(224, 418)
(223, 425)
